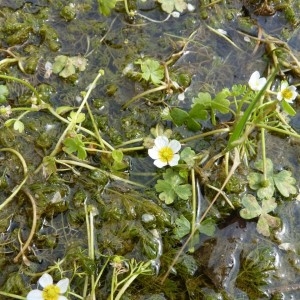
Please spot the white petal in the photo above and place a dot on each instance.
(160, 163)
(175, 145)
(283, 85)
(63, 285)
(161, 141)
(279, 96)
(254, 77)
(174, 160)
(153, 153)
(35, 295)
(62, 298)
(45, 280)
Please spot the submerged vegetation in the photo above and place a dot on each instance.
(139, 164)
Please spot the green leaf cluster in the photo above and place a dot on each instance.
(75, 144)
(152, 70)
(252, 209)
(183, 227)
(203, 106)
(106, 6)
(283, 181)
(66, 66)
(173, 186)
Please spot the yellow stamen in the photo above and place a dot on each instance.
(51, 292)
(287, 94)
(166, 154)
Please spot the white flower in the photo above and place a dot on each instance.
(256, 82)
(5, 110)
(287, 92)
(164, 152)
(50, 291)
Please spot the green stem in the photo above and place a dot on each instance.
(12, 295)
(159, 88)
(75, 295)
(125, 286)
(194, 200)
(202, 135)
(17, 188)
(33, 226)
(97, 132)
(138, 140)
(72, 123)
(259, 125)
(263, 152)
(87, 166)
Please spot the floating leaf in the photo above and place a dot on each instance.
(76, 118)
(172, 186)
(285, 183)
(152, 70)
(253, 209)
(265, 188)
(66, 66)
(169, 5)
(187, 155)
(75, 144)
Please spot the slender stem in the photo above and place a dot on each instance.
(21, 158)
(263, 152)
(202, 135)
(87, 166)
(97, 133)
(73, 122)
(125, 286)
(194, 201)
(12, 295)
(75, 295)
(17, 188)
(138, 140)
(33, 226)
(261, 125)
(159, 88)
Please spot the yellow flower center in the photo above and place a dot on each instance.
(51, 292)
(165, 154)
(287, 94)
